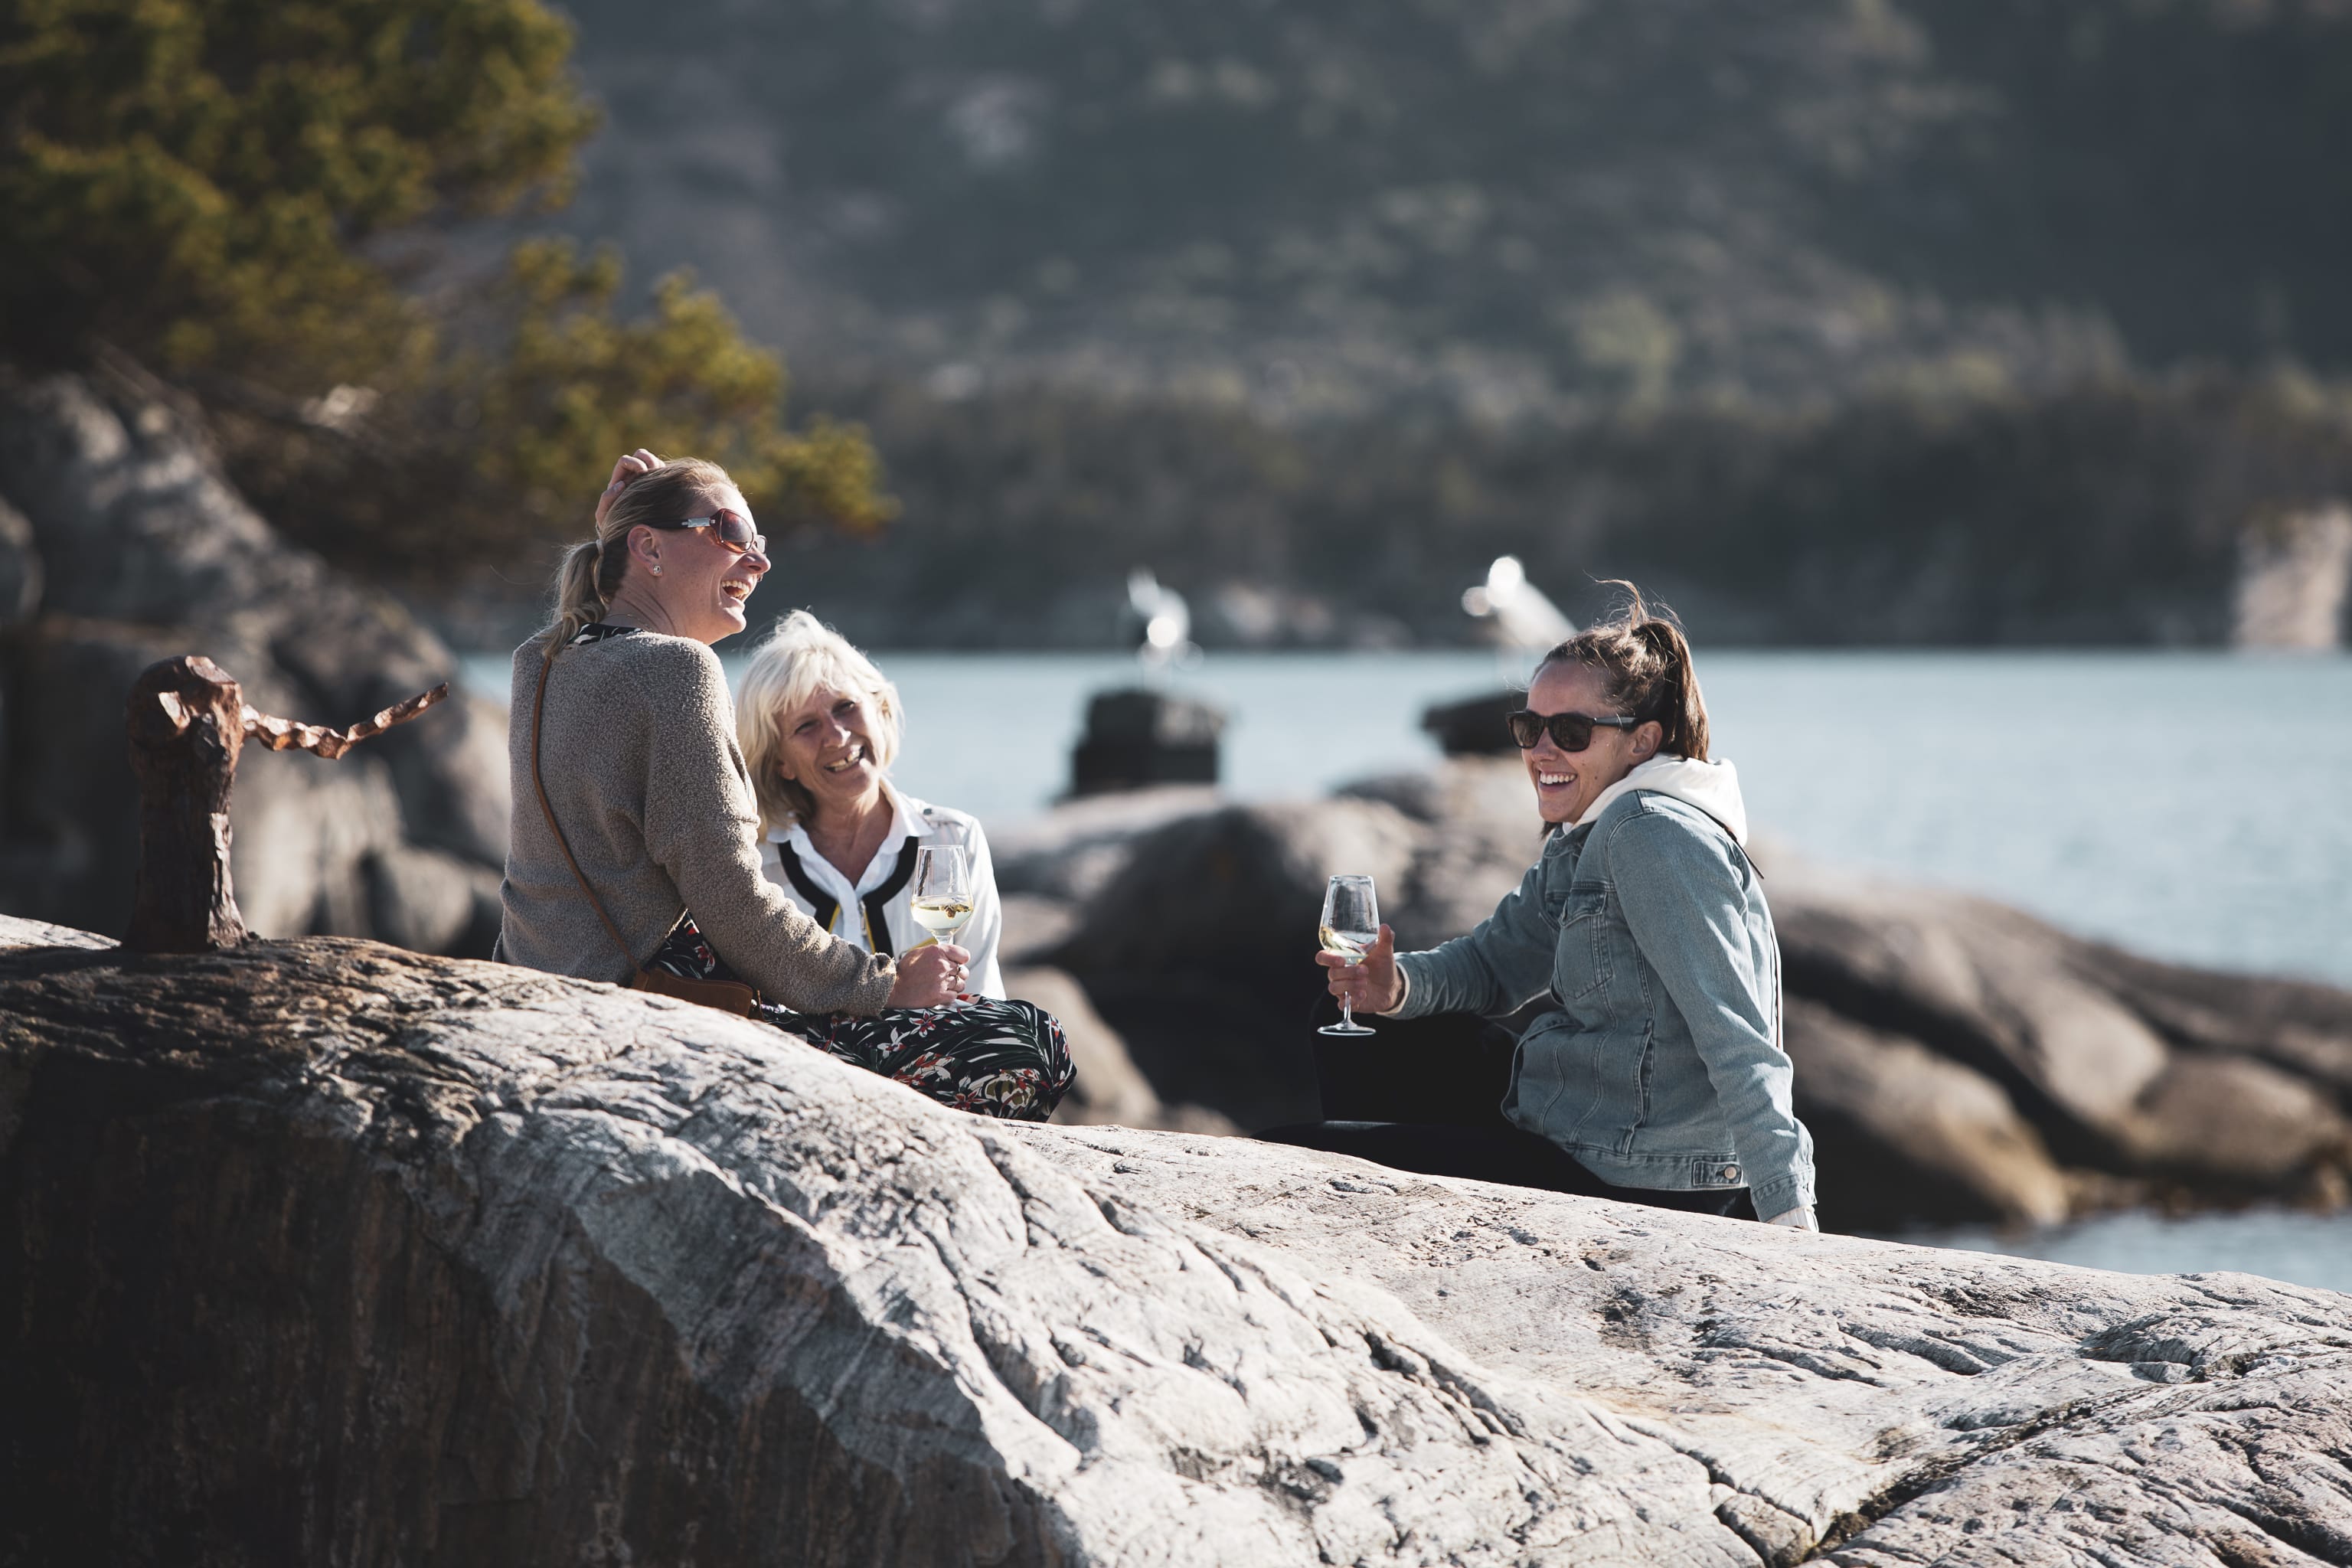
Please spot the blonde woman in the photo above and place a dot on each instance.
(635, 832)
(820, 727)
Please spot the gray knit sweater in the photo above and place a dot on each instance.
(638, 749)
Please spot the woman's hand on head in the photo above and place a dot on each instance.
(931, 976)
(629, 467)
(1371, 984)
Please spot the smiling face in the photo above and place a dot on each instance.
(702, 585)
(1568, 782)
(825, 745)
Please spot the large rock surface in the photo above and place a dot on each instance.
(121, 544)
(1956, 1059)
(321, 1251)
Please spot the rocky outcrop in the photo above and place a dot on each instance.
(318, 1250)
(2069, 1059)
(1957, 1059)
(126, 546)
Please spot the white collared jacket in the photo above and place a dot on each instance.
(876, 913)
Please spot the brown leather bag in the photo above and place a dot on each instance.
(727, 995)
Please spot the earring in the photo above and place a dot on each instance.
(657, 568)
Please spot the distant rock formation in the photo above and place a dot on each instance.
(321, 1251)
(2294, 580)
(121, 544)
(1956, 1059)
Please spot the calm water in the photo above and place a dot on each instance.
(2282, 1243)
(2195, 807)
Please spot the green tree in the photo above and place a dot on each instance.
(248, 197)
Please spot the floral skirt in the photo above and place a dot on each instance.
(1005, 1059)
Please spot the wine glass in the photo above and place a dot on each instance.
(1351, 924)
(942, 896)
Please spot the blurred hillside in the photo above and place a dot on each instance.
(1496, 207)
(2190, 509)
(1916, 321)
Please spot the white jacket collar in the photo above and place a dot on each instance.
(1713, 787)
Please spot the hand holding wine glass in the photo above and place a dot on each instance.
(1358, 949)
(941, 901)
(930, 976)
(1370, 981)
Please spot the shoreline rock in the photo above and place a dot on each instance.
(322, 1249)
(123, 545)
(1959, 1060)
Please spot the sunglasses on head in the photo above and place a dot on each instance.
(731, 529)
(1569, 732)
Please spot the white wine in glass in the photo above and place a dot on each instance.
(942, 893)
(1351, 926)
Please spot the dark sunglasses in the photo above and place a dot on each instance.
(731, 529)
(1569, 732)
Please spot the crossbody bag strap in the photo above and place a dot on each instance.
(538, 708)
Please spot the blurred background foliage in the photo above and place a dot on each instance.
(2110, 511)
(1921, 320)
(1845, 320)
(267, 205)
(1494, 208)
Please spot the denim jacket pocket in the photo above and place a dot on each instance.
(1580, 963)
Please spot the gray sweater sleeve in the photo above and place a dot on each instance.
(701, 827)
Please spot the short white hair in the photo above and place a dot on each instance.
(790, 665)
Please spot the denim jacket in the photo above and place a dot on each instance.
(1659, 1063)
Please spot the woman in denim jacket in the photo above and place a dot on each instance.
(1656, 1075)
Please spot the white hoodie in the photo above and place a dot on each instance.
(1713, 787)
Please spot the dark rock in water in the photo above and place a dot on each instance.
(1135, 738)
(1905, 1136)
(1110, 1089)
(2081, 1046)
(1198, 950)
(20, 568)
(1070, 852)
(1238, 890)
(1474, 728)
(143, 551)
(323, 1251)
(1957, 1060)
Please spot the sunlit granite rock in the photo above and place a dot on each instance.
(323, 1251)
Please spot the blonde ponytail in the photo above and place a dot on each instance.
(592, 569)
(578, 600)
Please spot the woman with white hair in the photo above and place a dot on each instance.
(820, 727)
